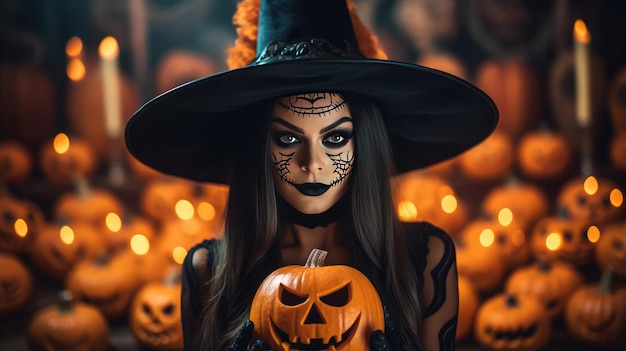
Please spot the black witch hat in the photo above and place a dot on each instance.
(305, 46)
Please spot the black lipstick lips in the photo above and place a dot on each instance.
(312, 189)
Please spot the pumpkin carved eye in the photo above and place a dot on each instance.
(290, 298)
(168, 310)
(618, 245)
(338, 298)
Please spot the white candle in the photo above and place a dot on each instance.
(582, 66)
(109, 51)
(138, 34)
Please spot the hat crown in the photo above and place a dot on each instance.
(293, 21)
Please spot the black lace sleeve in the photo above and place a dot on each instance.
(436, 261)
(191, 291)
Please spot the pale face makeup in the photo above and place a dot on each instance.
(312, 149)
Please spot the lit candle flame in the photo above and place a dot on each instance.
(140, 244)
(74, 47)
(616, 197)
(206, 211)
(449, 204)
(75, 69)
(179, 254)
(590, 185)
(581, 33)
(487, 237)
(108, 48)
(113, 222)
(21, 227)
(593, 234)
(505, 216)
(553, 241)
(61, 143)
(184, 209)
(67, 235)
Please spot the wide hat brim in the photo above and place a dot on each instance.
(196, 130)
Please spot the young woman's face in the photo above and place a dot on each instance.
(312, 150)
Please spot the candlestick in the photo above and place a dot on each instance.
(582, 40)
(109, 51)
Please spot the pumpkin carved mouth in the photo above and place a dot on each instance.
(511, 335)
(316, 343)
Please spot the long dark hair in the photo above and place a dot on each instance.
(249, 251)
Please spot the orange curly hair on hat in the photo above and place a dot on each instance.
(246, 18)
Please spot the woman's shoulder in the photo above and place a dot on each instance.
(200, 260)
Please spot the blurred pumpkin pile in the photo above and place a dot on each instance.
(540, 240)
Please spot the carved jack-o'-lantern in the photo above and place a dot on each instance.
(85, 204)
(597, 200)
(316, 307)
(155, 318)
(556, 238)
(508, 242)
(512, 322)
(610, 249)
(489, 161)
(20, 221)
(68, 326)
(596, 313)
(105, 282)
(420, 197)
(481, 265)
(16, 284)
(78, 161)
(16, 162)
(551, 283)
(526, 202)
(544, 155)
(59, 246)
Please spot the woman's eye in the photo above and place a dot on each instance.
(283, 139)
(337, 139)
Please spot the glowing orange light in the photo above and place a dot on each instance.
(113, 222)
(616, 197)
(593, 234)
(449, 204)
(184, 209)
(21, 227)
(553, 241)
(206, 211)
(407, 211)
(61, 143)
(179, 254)
(108, 48)
(74, 47)
(67, 235)
(140, 244)
(590, 185)
(75, 69)
(487, 237)
(505, 216)
(581, 33)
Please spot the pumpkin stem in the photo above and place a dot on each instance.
(604, 287)
(65, 301)
(82, 187)
(316, 258)
(511, 301)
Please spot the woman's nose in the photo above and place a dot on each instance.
(312, 159)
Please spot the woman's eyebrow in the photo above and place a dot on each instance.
(288, 125)
(340, 121)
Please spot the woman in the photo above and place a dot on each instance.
(308, 137)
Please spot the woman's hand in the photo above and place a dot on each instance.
(243, 339)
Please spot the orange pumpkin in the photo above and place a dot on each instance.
(69, 325)
(596, 313)
(85, 109)
(468, 305)
(16, 162)
(118, 238)
(422, 197)
(507, 242)
(556, 238)
(19, 224)
(179, 66)
(490, 161)
(551, 283)
(27, 104)
(154, 316)
(610, 250)
(443, 62)
(617, 100)
(335, 306)
(87, 204)
(526, 201)
(512, 322)
(544, 155)
(481, 265)
(79, 161)
(515, 87)
(599, 204)
(617, 151)
(16, 284)
(105, 282)
(160, 195)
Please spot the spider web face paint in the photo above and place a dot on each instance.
(343, 167)
(312, 103)
(282, 165)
